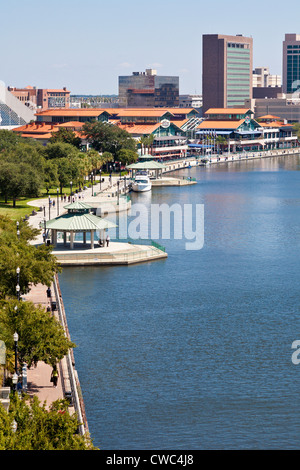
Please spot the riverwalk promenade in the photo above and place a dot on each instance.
(38, 377)
(111, 199)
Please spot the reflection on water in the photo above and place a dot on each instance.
(194, 352)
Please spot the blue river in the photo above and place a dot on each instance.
(195, 351)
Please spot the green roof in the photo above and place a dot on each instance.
(78, 205)
(79, 222)
(146, 166)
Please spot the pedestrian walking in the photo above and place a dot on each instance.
(107, 240)
(54, 376)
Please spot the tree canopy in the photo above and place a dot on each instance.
(39, 428)
(105, 137)
(37, 264)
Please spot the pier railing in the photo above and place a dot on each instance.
(73, 384)
(144, 241)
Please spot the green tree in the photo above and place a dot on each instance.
(66, 136)
(21, 169)
(106, 158)
(146, 142)
(19, 179)
(60, 150)
(41, 336)
(105, 137)
(51, 174)
(126, 156)
(8, 139)
(37, 264)
(39, 428)
(296, 129)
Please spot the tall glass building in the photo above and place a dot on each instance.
(226, 70)
(291, 63)
(147, 89)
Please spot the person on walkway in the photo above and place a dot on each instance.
(107, 240)
(54, 376)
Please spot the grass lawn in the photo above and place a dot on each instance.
(22, 208)
(18, 212)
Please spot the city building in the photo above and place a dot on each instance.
(285, 106)
(261, 78)
(94, 101)
(42, 131)
(13, 112)
(236, 130)
(226, 70)
(42, 98)
(264, 84)
(190, 101)
(186, 119)
(170, 127)
(147, 89)
(58, 116)
(291, 63)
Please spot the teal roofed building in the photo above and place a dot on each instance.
(78, 219)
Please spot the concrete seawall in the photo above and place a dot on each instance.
(192, 161)
(71, 382)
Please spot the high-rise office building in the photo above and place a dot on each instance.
(148, 89)
(291, 63)
(226, 70)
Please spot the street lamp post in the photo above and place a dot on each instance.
(18, 283)
(100, 179)
(120, 170)
(16, 339)
(110, 168)
(15, 381)
(92, 174)
(71, 188)
(49, 207)
(15, 376)
(118, 183)
(14, 426)
(57, 191)
(45, 229)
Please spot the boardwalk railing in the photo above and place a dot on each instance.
(73, 384)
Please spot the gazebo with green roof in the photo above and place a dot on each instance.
(78, 219)
(148, 165)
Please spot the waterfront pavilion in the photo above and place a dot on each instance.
(78, 219)
(147, 165)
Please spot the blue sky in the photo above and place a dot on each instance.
(85, 45)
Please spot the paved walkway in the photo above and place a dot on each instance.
(38, 378)
(87, 195)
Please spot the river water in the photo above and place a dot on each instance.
(195, 351)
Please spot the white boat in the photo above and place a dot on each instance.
(141, 182)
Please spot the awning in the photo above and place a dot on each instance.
(249, 132)
(198, 146)
(215, 132)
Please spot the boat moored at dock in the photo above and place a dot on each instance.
(141, 182)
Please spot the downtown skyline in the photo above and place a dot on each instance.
(87, 46)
